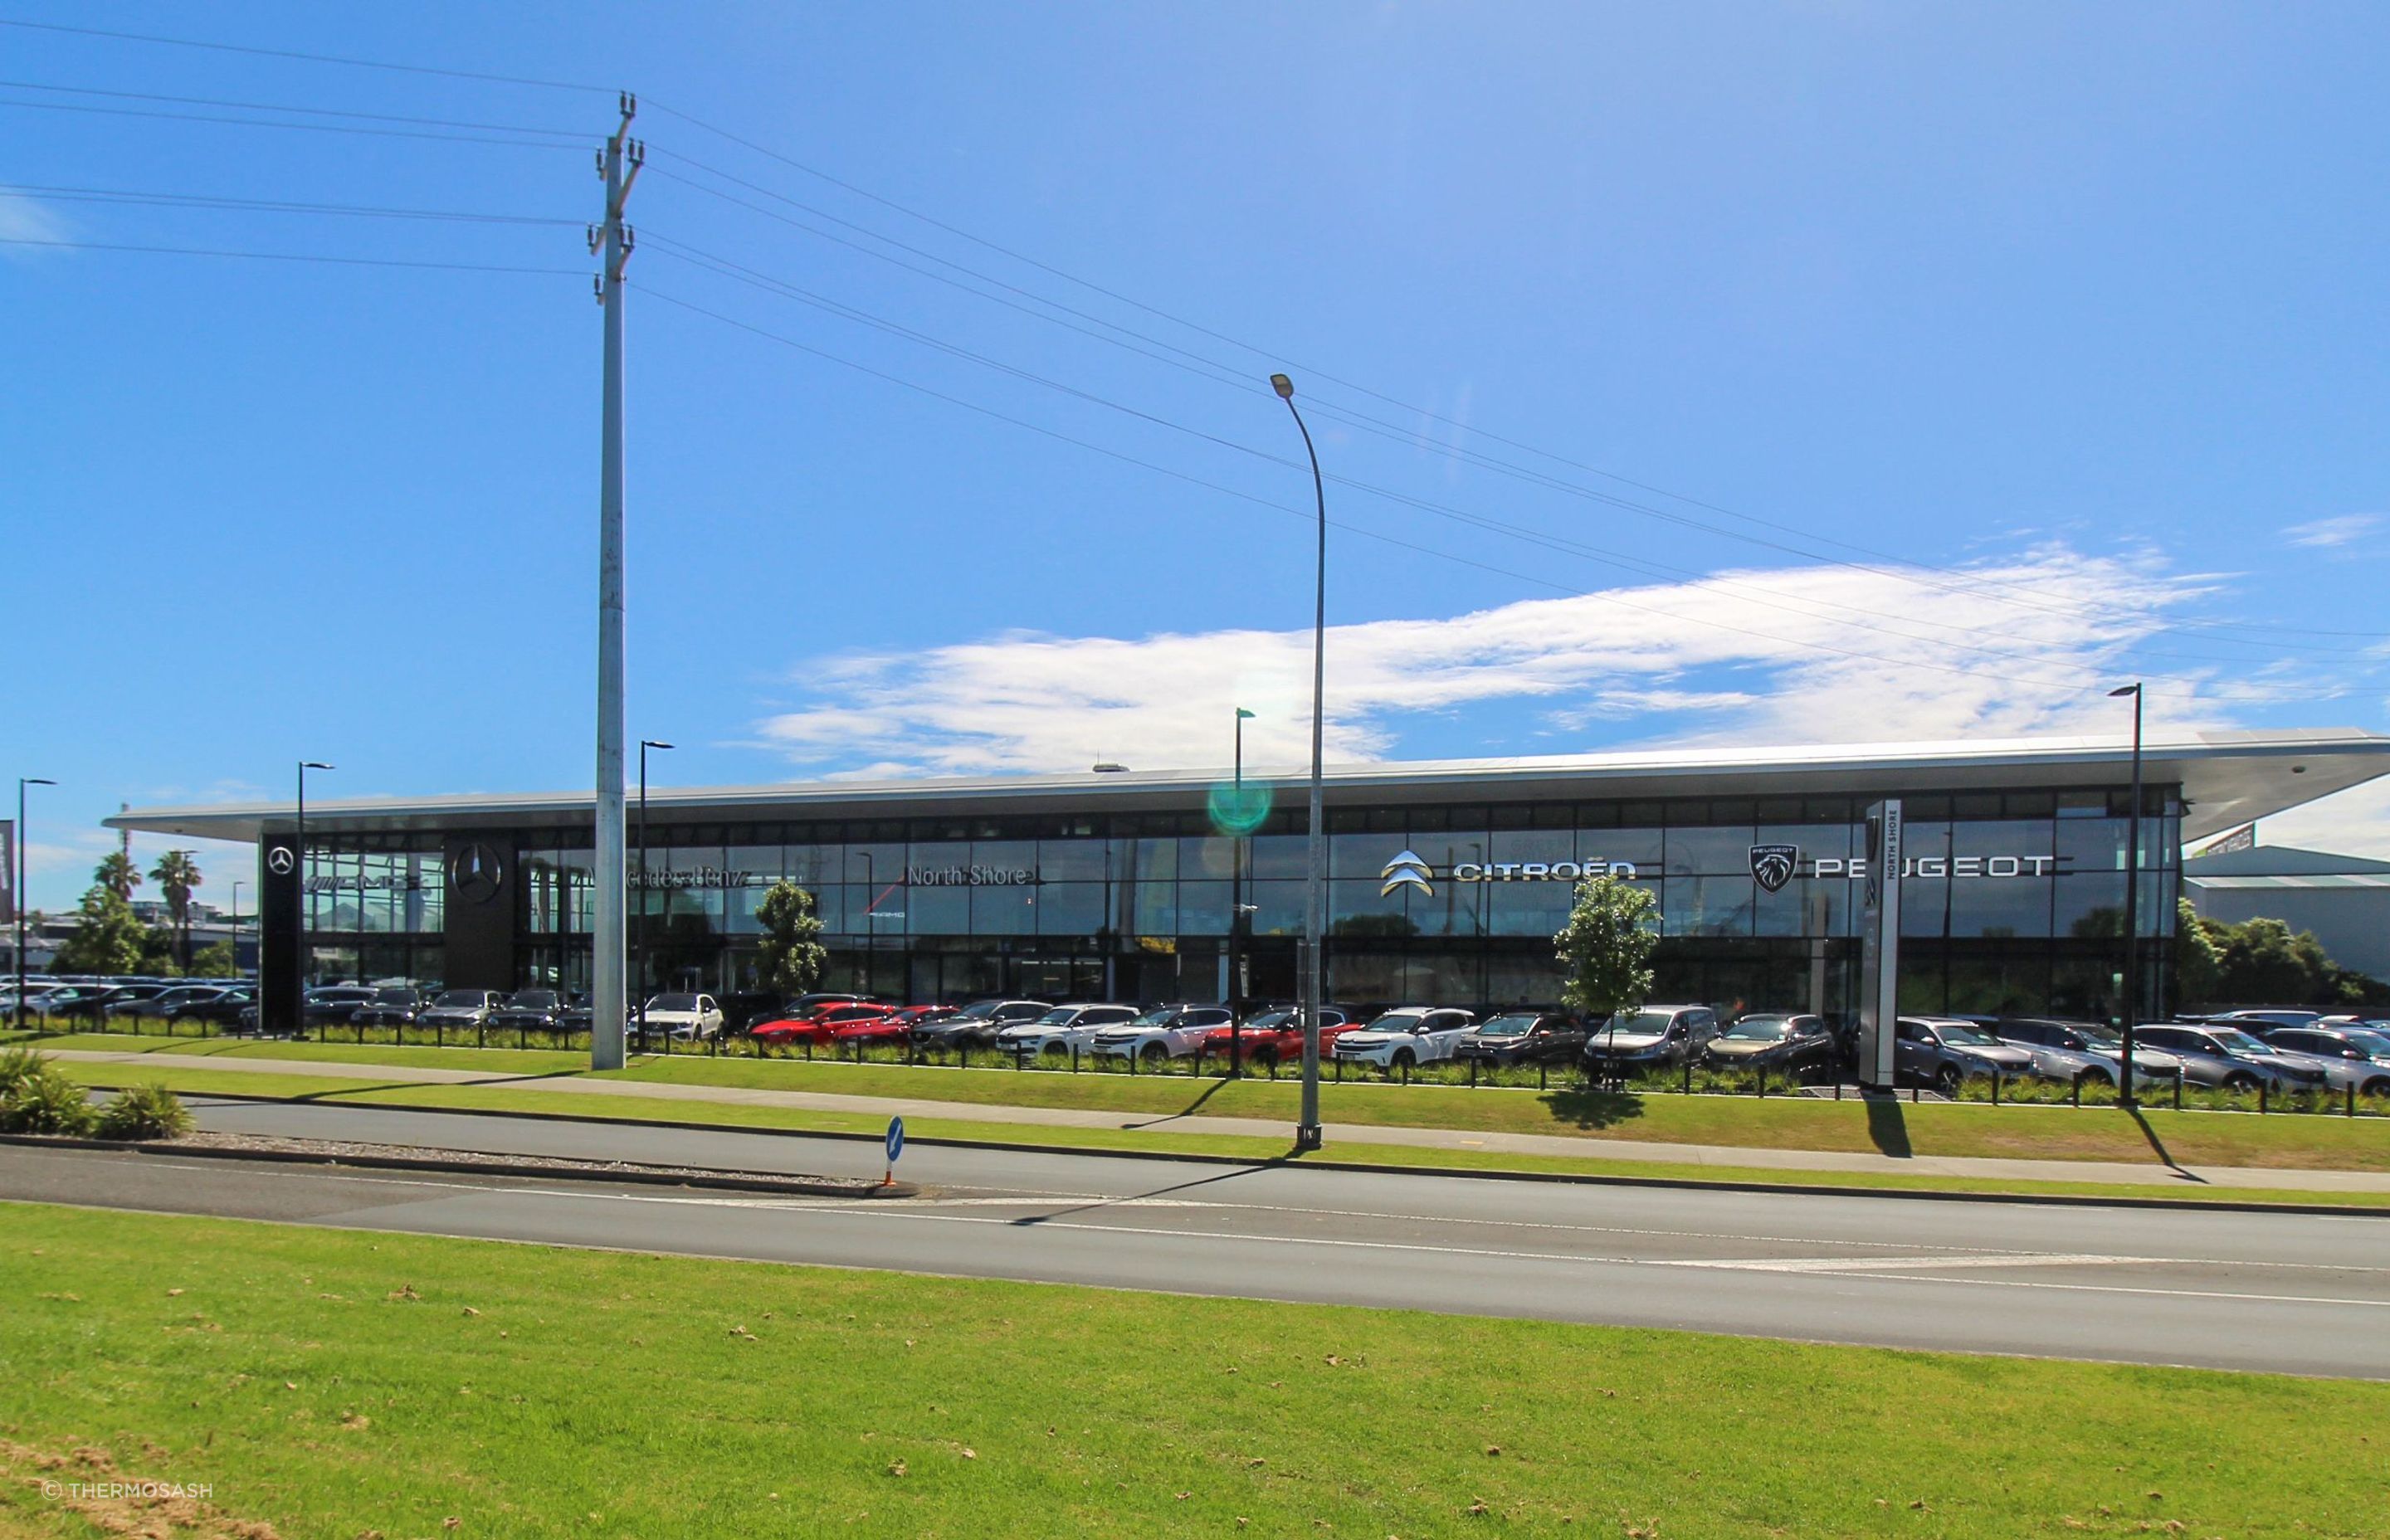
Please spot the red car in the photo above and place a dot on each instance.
(1277, 1034)
(888, 1030)
(817, 1026)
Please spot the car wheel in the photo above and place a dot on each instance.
(2240, 1081)
(2374, 1088)
(1263, 1057)
(1404, 1059)
(1947, 1080)
(1054, 1049)
(1153, 1053)
(2089, 1078)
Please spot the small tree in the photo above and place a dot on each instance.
(109, 940)
(1606, 947)
(2198, 967)
(790, 960)
(215, 960)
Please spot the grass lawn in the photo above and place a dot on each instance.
(508, 1099)
(2307, 1141)
(331, 1383)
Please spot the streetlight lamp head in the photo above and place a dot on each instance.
(37, 780)
(316, 764)
(1284, 386)
(2122, 690)
(1243, 713)
(653, 743)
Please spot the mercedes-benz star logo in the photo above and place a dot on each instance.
(1406, 870)
(474, 873)
(1773, 865)
(280, 860)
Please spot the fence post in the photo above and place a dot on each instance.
(2177, 1090)
(1074, 1058)
(2074, 1091)
(1472, 1075)
(1406, 1071)
(1996, 1086)
(1339, 1072)
(2352, 1099)
(1762, 1083)
(1543, 1074)
(1688, 1077)
(2261, 1099)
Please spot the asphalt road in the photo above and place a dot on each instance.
(2299, 1293)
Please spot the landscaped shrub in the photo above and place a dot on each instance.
(44, 1101)
(17, 1065)
(145, 1112)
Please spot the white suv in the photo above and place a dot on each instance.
(1061, 1028)
(1166, 1032)
(1408, 1035)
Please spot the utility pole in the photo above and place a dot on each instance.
(619, 164)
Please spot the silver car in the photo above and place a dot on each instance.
(2348, 1060)
(1651, 1038)
(2217, 1055)
(2082, 1050)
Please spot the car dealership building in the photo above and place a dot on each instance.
(1446, 880)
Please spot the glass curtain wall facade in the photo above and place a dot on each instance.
(2013, 902)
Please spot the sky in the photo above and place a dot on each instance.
(1697, 373)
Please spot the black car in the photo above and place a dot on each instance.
(1778, 1043)
(1524, 1037)
(533, 1010)
(223, 1008)
(392, 1005)
(976, 1024)
(329, 1004)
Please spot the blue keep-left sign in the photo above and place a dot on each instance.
(895, 1139)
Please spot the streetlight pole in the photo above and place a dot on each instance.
(1237, 905)
(16, 894)
(2131, 990)
(639, 926)
(236, 927)
(1307, 1131)
(306, 906)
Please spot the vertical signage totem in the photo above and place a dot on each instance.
(280, 934)
(1879, 945)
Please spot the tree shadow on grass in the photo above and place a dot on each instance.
(1886, 1126)
(1592, 1106)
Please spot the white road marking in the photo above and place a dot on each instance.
(1943, 1263)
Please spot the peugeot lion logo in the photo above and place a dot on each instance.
(1406, 870)
(1773, 865)
(473, 872)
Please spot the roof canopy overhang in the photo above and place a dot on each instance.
(2227, 778)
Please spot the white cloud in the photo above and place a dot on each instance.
(1780, 656)
(24, 219)
(2341, 531)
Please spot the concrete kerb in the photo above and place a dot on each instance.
(1693, 1184)
(736, 1181)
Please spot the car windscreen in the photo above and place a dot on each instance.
(1060, 1017)
(1967, 1037)
(394, 997)
(980, 1010)
(1651, 1022)
(673, 1002)
(1158, 1018)
(2237, 1040)
(1270, 1019)
(339, 996)
(2376, 1045)
(1507, 1026)
(533, 999)
(459, 998)
(1761, 1029)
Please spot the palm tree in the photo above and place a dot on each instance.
(177, 874)
(118, 875)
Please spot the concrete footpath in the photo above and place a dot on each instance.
(1578, 1148)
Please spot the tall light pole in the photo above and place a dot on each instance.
(640, 929)
(619, 163)
(1307, 1131)
(306, 906)
(1237, 905)
(16, 894)
(2131, 990)
(236, 927)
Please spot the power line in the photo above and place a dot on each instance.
(680, 251)
(273, 123)
(310, 59)
(2090, 677)
(1211, 368)
(260, 205)
(576, 136)
(290, 256)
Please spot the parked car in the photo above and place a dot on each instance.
(818, 1026)
(1063, 1029)
(2373, 1038)
(886, 1029)
(579, 1014)
(1275, 1035)
(329, 1004)
(2257, 1022)
(1408, 1035)
(1777, 1043)
(687, 1017)
(392, 1005)
(168, 1005)
(1166, 1032)
(1524, 1037)
(222, 1008)
(2346, 1062)
(1650, 1037)
(2082, 1050)
(1943, 1052)
(531, 1010)
(975, 1025)
(133, 999)
(2227, 1057)
(460, 1007)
